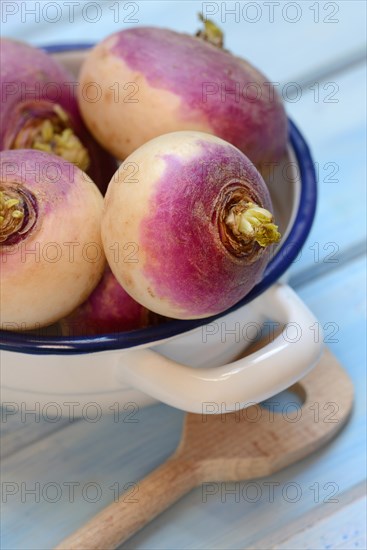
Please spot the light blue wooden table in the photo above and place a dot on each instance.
(319, 45)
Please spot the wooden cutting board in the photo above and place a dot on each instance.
(242, 445)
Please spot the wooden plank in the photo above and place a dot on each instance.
(323, 527)
(107, 453)
(21, 427)
(56, 462)
(228, 447)
(335, 133)
(300, 38)
(345, 529)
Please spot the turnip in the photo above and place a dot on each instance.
(154, 81)
(200, 216)
(109, 309)
(39, 111)
(51, 254)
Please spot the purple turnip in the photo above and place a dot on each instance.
(51, 253)
(109, 309)
(39, 111)
(200, 216)
(153, 81)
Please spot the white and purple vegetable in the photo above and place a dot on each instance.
(39, 111)
(154, 81)
(200, 216)
(50, 246)
(109, 309)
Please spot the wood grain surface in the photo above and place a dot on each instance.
(245, 444)
(313, 503)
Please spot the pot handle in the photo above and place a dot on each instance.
(251, 379)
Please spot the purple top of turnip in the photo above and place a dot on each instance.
(212, 255)
(50, 214)
(29, 76)
(40, 111)
(239, 102)
(22, 207)
(108, 309)
(200, 217)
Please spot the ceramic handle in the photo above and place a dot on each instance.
(241, 383)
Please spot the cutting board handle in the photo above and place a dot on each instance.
(134, 508)
(226, 447)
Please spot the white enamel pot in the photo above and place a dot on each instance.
(191, 365)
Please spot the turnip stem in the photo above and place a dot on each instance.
(251, 221)
(53, 134)
(211, 33)
(11, 215)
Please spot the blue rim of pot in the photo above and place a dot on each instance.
(62, 345)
